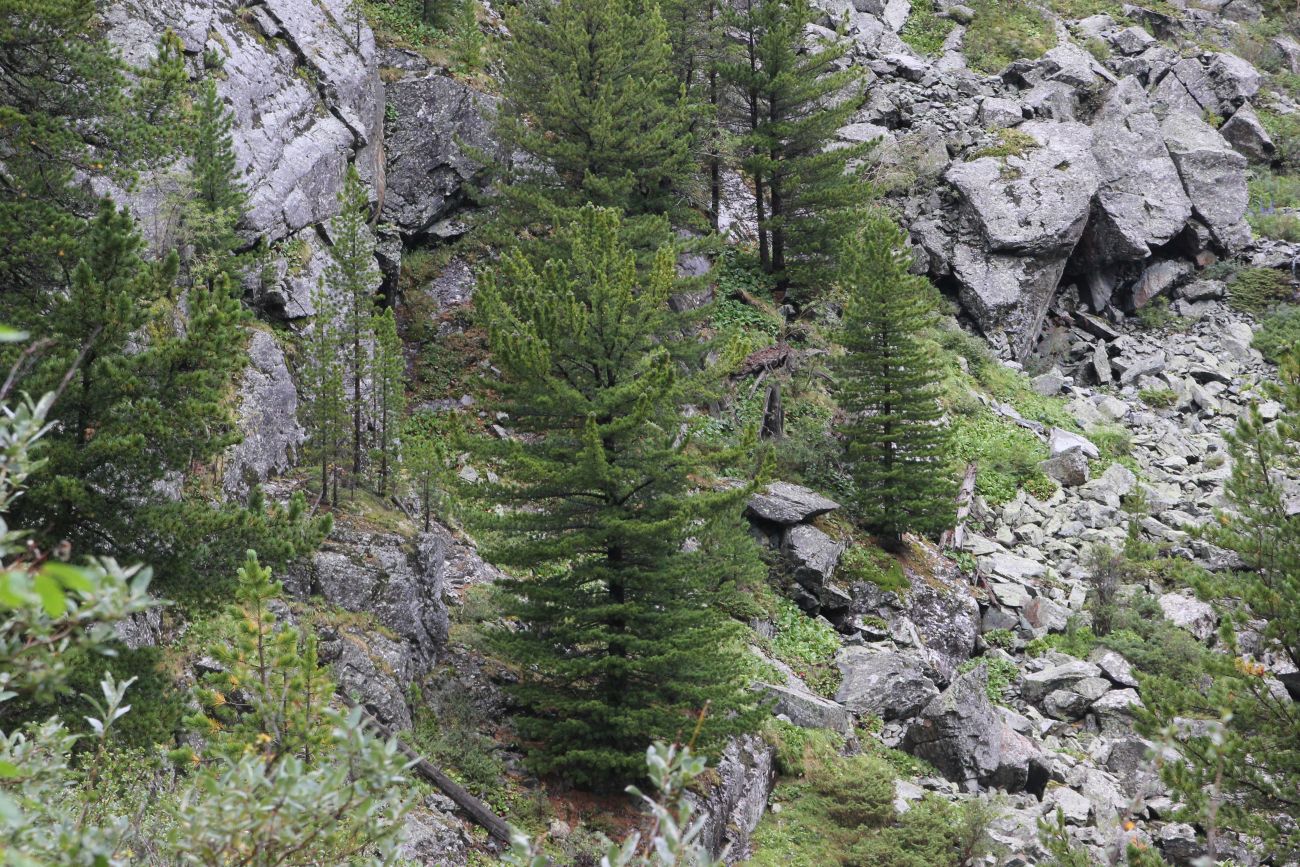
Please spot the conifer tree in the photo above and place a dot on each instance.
(699, 44)
(590, 97)
(795, 98)
(352, 277)
(147, 404)
(325, 409)
(424, 458)
(271, 693)
(66, 108)
(1240, 771)
(390, 393)
(888, 386)
(216, 200)
(621, 636)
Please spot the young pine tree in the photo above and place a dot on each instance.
(591, 98)
(621, 634)
(1243, 774)
(216, 199)
(888, 386)
(271, 693)
(352, 277)
(390, 394)
(325, 416)
(795, 98)
(424, 459)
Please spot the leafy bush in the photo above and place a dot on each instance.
(1077, 640)
(1278, 226)
(807, 645)
(1005, 31)
(799, 750)
(1001, 638)
(1256, 289)
(925, 30)
(449, 731)
(1284, 130)
(1156, 315)
(1278, 332)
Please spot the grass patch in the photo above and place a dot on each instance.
(1011, 143)
(1006, 30)
(1278, 226)
(1077, 641)
(925, 30)
(1158, 398)
(863, 563)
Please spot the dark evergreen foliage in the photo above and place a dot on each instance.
(620, 636)
(888, 386)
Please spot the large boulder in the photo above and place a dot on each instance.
(807, 710)
(1247, 135)
(814, 554)
(372, 670)
(965, 738)
(399, 580)
(732, 806)
(1141, 203)
(787, 504)
(435, 118)
(1214, 176)
(268, 419)
(1021, 218)
(1187, 612)
(882, 683)
(432, 838)
(1064, 676)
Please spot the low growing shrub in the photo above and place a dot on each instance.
(1256, 289)
(1005, 31)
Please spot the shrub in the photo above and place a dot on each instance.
(1107, 569)
(1156, 315)
(925, 31)
(1284, 130)
(1158, 398)
(1077, 640)
(1278, 226)
(1256, 289)
(1007, 456)
(1001, 638)
(1278, 332)
(449, 731)
(807, 645)
(1005, 31)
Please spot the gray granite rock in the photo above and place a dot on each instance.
(784, 503)
(884, 684)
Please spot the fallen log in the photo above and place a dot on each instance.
(478, 811)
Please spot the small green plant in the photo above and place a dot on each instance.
(1007, 457)
(1001, 638)
(1077, 640)
(1002, 674)
(1156, 315)
(926, 30)
(1159, 398)
(1278, 332)
(1098, 49)
(1277, 226)
(1011, 143)
(1256, 289)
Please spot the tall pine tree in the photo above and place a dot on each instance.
(621, 635)
(889, 387)
(325, 407)
(590, 97)
(390, 395)
(215, 201)
(352, 277)
(796, 96)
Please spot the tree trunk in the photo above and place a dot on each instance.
(773, 415)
